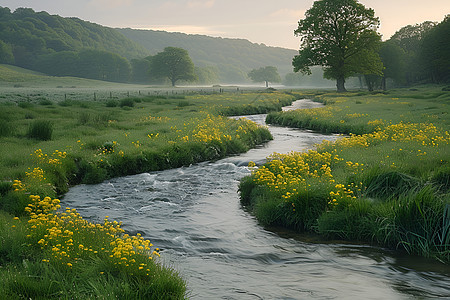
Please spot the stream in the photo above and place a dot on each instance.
(193, 214)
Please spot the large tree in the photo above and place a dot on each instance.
(174, 64)
(341, 36)
(265, 74)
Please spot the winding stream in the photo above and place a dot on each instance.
(194, 215)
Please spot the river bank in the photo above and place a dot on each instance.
(386, 184)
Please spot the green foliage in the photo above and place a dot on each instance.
(174, 64)
(40, 130)
(32, 34)
(434, 52)
(341, 36)
(93, 64)
(414, 66)
(226, 60)
(129, 102)
(265, 74)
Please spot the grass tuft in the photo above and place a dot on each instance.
(40, 130)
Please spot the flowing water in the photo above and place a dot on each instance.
(194, 215)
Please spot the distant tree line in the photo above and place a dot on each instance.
(418, 54)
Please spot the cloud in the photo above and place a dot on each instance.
(288, 14)
(110, 3)
(189, 29)
(200, 4)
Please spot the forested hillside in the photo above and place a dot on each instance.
(231, 58)
(72, 47)
(30, 34)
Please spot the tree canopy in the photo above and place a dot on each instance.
(341, 36)
(435, 53)
(265, 74)
(173, 63)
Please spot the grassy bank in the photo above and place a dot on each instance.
(50, 144)
(387, 183)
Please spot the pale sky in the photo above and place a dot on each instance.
(260, 21)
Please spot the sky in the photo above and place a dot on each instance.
(260, 21)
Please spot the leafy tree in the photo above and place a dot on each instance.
(140, 70)
(409, 38)
(265, 74)
(393, 58)
(173, 63)
(207, 75)
(435, 53)
(103, 65)
(341, 36)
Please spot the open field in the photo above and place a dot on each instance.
(387, 183)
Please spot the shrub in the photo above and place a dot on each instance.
(127, 102)
(40, 130)
(45, 102)
(111, 103)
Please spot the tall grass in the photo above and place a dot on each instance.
(40, 130)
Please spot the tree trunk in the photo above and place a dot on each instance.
(340, 84)
(369, 83)
(383, 83)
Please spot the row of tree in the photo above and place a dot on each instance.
(341, 36)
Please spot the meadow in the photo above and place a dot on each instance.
(386, 182)
(49, 143)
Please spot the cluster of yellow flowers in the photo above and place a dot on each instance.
(151, 118)
(356, 115)
(37, 174)
(290, 173)
(425, 134)
(211, 128)
(18, 186)
(54, 159)
(67, 238)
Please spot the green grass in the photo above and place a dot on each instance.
(49, 143)
(388, 182)
(361, 112)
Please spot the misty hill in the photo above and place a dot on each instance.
(72, 47)
(29, 34)
(229, 55)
